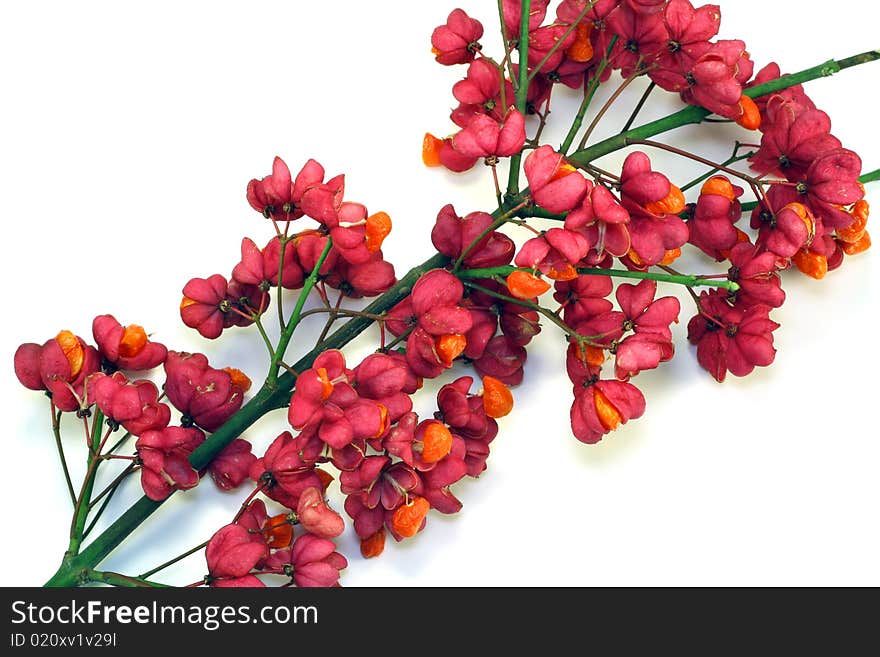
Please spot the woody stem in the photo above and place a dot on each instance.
(604, 109)
(113, 484)
(680, 279)
(639, 106)
(692, 156)
(507, 62)
(172, 561)
(731, 160)
(871, 176)
(525, 303)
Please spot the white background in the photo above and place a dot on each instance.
(129, 132)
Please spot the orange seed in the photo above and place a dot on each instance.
(377, 229)
(636, 260)
(673, 203)
(449, 347)
(524, 285)
(608, 414)
(751, 115)
(671, 256)
(720, 186)
(436, 442)
(564, 170)
(852, 248)
(592, 356)
(408, 518)
(326, 386)
(806, 216)
(497, 398)
(72, 350)
(383, 420)
(133, 341)
(740, 237)
(581, 50)
(811, 264)
(431, 146)
(567, 273)
(325, 477)
(372, 546)
(854, 232)
(278, 531)
(239, 378)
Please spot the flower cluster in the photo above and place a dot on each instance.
(810, 219)
(416, 462)
(354, 263)
(670, 42)
(817, 215)
(257, 543)
(80, 378)
(394, 468)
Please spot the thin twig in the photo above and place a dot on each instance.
(173, 561)
(56, 431)
(638, 108)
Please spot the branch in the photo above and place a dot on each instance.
(692, 115)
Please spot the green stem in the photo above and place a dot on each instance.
(98, 514)
(522, 88)
(691, 115)
(280, 298)
(683, 279)
(107, 494)
(97, 430)
(56, 431)
(525, 303)
(293, 322)
(540, 213)
(118, 579)
(870, 177)
(588, 98)
(713, 171)
(608, 104)
(687, 280)
(502, 215)
(266, 400)
(81, 510)
(265, 337)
